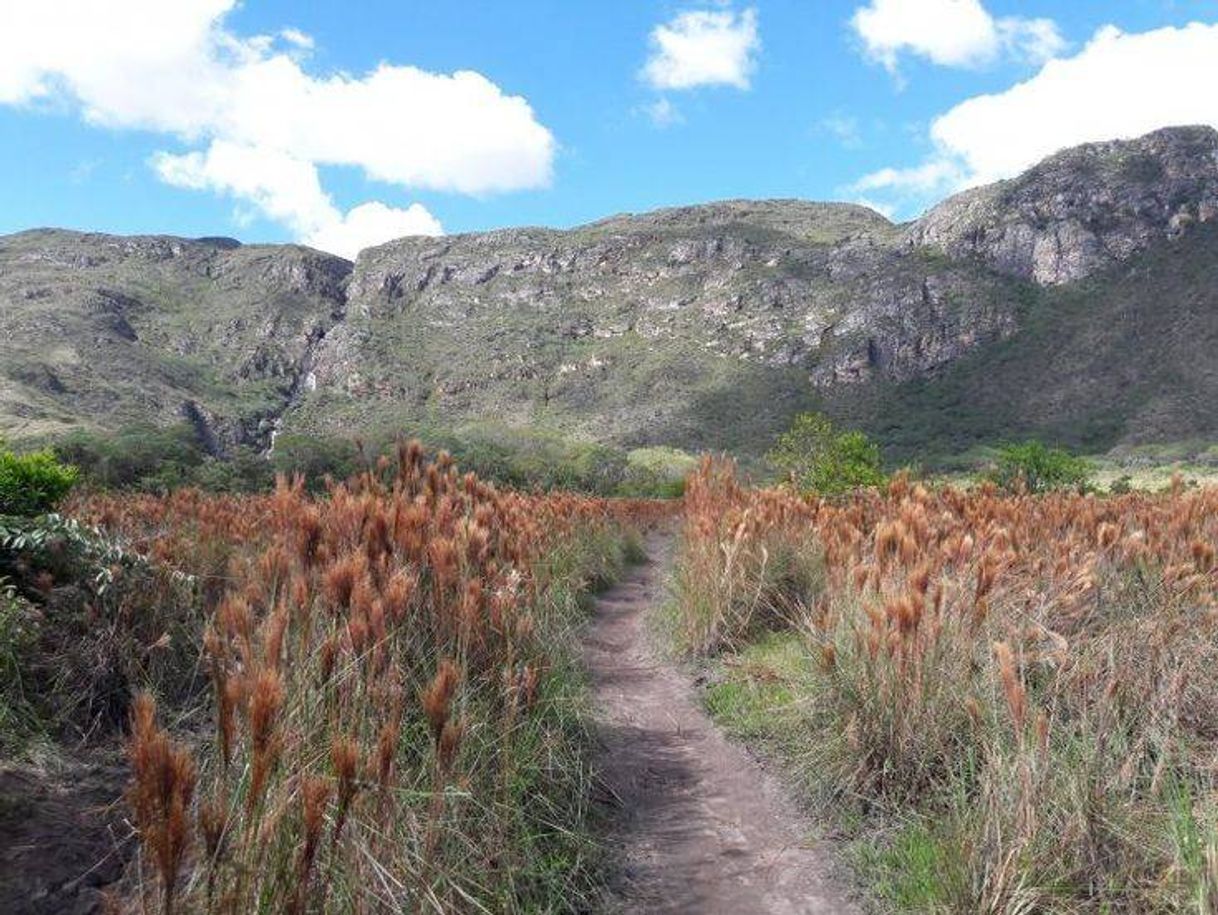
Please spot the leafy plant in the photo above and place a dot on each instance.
(34, 483)
(140, 456)
(819, 457)
(1035, 467)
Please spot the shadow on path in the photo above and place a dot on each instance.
(698, 825)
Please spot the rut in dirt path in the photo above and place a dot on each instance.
(699, 826)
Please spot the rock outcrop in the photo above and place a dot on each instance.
(1083, 209)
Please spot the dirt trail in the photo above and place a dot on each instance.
(699, 825)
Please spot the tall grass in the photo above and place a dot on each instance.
(741, 563)
(395, 723)
(1018, 693)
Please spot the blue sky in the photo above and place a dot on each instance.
(261, 120)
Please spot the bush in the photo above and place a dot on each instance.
(33, 484)
(315, 457)
(83, 622)
(1035, 467)
(136, 457)
(818, 457)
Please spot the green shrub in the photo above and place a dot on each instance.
(1035, 467)
(315, 457)
(34, 483)
(818, 457)
(136, 457)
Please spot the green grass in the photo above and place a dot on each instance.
(755, 693)
(910, 868)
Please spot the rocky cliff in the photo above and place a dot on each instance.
(1083, 209)
(700, 326)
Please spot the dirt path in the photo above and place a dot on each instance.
(700, 827)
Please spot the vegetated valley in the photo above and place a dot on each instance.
(264, 650)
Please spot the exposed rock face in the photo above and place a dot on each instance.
(1083, 209)
(824, 288)
(697, 325)
(100, 330)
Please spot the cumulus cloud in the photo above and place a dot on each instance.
(704, 48)
(951, 33)
(262, 124)
(371, 224)
(886, 210)
(287, 189)
(1120, 85)
(927, 178)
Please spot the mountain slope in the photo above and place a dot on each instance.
(1076, 301)
(646, 329)
(1083, 209)
(100, 331)
(1126, 356)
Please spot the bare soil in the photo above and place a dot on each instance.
(63, 835)
(697, 824)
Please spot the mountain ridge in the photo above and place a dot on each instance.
(703, 326)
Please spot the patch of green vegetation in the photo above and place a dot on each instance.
(669, 464)
(757, 694)
(817, 457)
(911, 868)
(33, 483)
(158, 459)
(1035, 467)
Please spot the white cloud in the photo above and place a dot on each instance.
(843, 128)
(371, 224)
(951, 33)
(287, 189)
(174, 68)
(662, 113)
(886, 210)
(1120, 85)
(928, 178)
(1031, 40)
(703, 48)
(282, 186)
(298, 38)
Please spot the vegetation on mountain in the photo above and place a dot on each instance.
(1074, 304)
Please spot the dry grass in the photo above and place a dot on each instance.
(394, 722)
(1028, 684)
